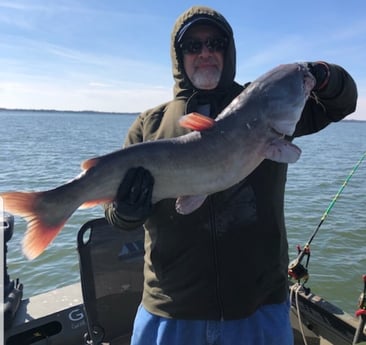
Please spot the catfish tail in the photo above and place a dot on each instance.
(40, 231)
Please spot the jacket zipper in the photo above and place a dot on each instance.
(216, 256)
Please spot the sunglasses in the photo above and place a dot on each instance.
(195, 46)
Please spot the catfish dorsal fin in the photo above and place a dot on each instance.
(89, 163)
(196, 121)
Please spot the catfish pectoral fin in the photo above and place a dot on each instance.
(282, 151)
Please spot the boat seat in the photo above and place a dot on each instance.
(111, 273)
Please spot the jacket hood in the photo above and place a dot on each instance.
(194, 15)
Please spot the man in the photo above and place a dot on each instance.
(218, 275)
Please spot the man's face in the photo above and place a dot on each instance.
(203, 49)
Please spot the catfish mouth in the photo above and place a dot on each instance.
(278, 134)
(309, 83)
(282, 129)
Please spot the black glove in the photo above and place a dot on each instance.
(320, 71)
(133, 198)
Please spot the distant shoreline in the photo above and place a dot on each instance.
(68, 111)
(99, 112)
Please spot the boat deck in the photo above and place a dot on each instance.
(59, 317)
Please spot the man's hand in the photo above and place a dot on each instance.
(133, 199)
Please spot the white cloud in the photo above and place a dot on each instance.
(98, 84)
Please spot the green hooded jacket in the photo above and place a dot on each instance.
(230, 256)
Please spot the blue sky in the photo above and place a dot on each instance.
(114, 55)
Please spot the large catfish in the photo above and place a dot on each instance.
(216, 155)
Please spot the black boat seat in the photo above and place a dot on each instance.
(111, 273)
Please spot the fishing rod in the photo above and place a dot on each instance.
(295, 269)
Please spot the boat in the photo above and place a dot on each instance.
(101, 307)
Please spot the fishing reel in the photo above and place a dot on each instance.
(296, 270)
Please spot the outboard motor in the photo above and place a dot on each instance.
(13, 290)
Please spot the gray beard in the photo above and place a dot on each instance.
(206, 80)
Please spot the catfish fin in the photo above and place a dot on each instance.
(189, 203)
(93, 203)
(196, 121)
(40, 233)
(89, 163)
(282, 151)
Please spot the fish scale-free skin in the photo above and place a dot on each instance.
(189, 167)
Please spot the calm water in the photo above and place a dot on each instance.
(42, 150)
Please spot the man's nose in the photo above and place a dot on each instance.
(205, 51)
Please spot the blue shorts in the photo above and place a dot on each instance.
(269, 325)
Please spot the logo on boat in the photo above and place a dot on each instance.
(76, 315)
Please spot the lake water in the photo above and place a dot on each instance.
(41, 150)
